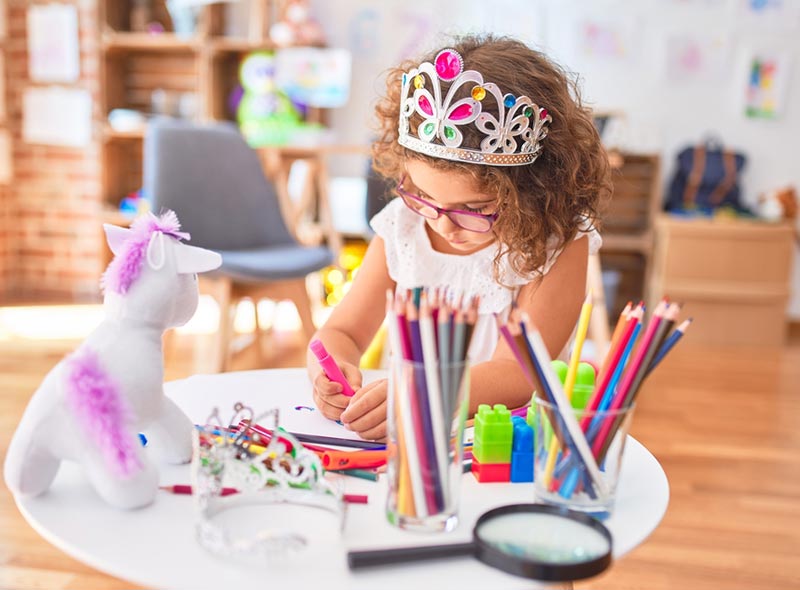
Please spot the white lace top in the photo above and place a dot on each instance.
(412, 262)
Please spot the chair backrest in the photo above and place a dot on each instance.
(213, 180)
(379, 192)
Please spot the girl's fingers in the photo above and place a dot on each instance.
(352, 374)
(377, 432)
(329, 410)
(331, 392)
(365, 400)
(369, 420)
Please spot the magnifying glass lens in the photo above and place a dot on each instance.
(543, 537)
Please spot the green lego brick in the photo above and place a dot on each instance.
(493, 425)
(494, 433)
(560, 368)
(584, 386)
(490, 454)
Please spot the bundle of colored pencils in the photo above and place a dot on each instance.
(619, 381)
(577, 450)
(429, 336)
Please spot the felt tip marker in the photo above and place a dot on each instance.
(330, 368)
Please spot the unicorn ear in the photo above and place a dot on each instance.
(191, 259)
(116, 236)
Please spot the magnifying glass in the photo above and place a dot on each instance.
(535, 541)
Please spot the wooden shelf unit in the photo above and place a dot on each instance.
(134, 64)
(628, 225)
(732, 275)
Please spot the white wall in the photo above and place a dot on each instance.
(663, 112)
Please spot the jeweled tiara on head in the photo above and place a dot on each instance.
(512, 138)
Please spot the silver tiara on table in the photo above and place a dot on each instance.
(512, 138)
(260, 466)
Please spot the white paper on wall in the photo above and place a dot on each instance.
(755, 15)
(53, 50)
(767, 76)
(57, 116)
(313, 76)
(697, 57)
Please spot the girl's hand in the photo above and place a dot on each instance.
(328, 394)
(366, 414)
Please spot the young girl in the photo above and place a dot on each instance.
(499, 172)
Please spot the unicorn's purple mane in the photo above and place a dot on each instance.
(101, 412)
(126, 266)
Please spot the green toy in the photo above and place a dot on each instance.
(266, 116)
(581, 392)
(494, 433)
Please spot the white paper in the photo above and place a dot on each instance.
(697, 57)
(296, 409)
(767, 80)
(765, 15)
(53, 51)
(57, 116)
(314, 77)
(5, 157)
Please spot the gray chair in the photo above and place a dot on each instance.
(214, 181)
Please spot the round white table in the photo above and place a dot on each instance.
(156, 547)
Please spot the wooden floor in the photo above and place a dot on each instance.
(724, 423)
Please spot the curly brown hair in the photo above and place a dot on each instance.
(546, 200)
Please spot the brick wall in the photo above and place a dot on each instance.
(53, 233)
(4, 255)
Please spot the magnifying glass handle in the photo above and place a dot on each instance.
(359, 559)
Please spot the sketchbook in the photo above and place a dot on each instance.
(288, 390)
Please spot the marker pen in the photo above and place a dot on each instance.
(335, 460)
(329, 367)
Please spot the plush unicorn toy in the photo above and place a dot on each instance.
(92, 405)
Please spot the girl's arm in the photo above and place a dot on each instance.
(553, 303)
(350, 329)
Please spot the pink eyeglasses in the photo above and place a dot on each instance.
(469, 220)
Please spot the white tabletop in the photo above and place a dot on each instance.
(155, 546)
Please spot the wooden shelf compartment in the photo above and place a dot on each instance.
(636, 198)
(122, 170)
(124, 41)
(131, 78)
(223, 79)
(632, 268)
(110, 134)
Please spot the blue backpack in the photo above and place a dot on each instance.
(706, 178)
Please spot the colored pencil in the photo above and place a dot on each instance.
(360, 474)
(626, 382)
(619, 328)
(669, 343)
(444, 346)
(437, 398)
(422, 418)
(572, 374)
(616, 354)
(574, 437)
(411, 495)
(183, 489)
(568, 485)
(312, 440)
(187, 489)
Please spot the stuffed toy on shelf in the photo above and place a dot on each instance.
(92, 405)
